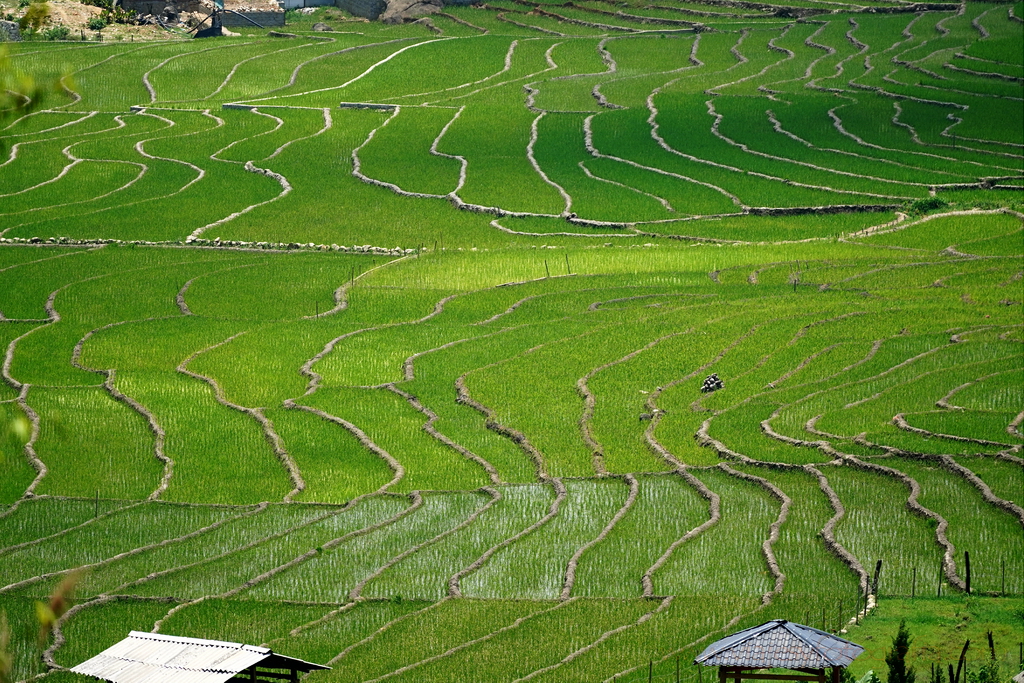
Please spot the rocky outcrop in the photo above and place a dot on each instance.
(9, 32)
(402, 11)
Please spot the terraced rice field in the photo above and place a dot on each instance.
(411, 385)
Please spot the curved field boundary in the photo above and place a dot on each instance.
(302, 628)
(357, 164)
(471, 643)
(143, 169)
(145, 77)
(883, 392)
(746, 148)
(286, 189)
(945, 133)
(570, 569)
(416, 502)
(63, 172)
(16, 147)
(590, 401)
(120, 556)
(777, 126)
(298, 483)
(428, 427)
(977, 482)
(159, 435)
(900, 421)
(328, 124)
(598, 304)
(355, 593)
(254, 110)
(179, 298)
(837, 123)
(1014, 427)
(588, 138)
(903, 225)
(62, 532)
(661, 200)
(948, 563)
(457, 20)
(234, 68)
(86, 115)
(662, 606)
(675, 653)
(828, 532)
(803, 364)
(48, 258)
(536, 166)
(656, 413)
(295, 73)
(200, 173)
(57, 631)
(454, 588)
(341, 302)
(510, 309)
(29, 450)
(367, 442)
(984, 74)
(500, 16)
(803, 330)
(714, 516)
(944, 401)
(491, 422)
(505, 68)
(240, 549)
(502, 228)
(394, 622)
(75, 96)
(307, 368)
(463, 163)
(767, 548)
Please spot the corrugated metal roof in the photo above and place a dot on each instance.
(780, 644)
(158, 658)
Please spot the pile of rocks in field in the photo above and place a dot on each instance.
(711, 383)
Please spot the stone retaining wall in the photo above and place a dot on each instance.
(261, 18)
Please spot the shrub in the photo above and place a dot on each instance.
(36, 14)
(59, 32)
(896, 658)
(96, 23)
(927, 204)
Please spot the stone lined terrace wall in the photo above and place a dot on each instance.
(369, 9)
(261, 18)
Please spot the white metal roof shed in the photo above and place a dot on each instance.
(158, 658)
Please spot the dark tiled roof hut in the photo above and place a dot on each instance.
(780, 644)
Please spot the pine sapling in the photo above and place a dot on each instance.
(896, 658)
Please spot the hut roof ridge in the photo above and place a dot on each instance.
(780, 644)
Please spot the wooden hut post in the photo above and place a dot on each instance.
(252, 673)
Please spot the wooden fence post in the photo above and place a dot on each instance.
(967, 570)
